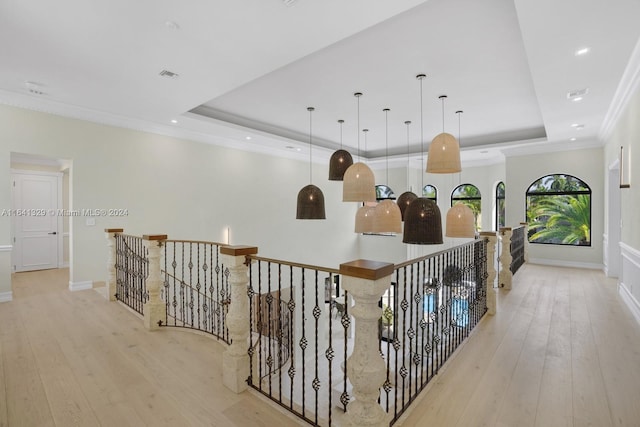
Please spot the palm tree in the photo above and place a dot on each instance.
(562, 219)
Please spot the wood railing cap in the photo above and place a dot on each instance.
(114, 230)
(524, 223)
(154, 237)
(503, 229)
(365, 269)
(239, 250)
(487, 233)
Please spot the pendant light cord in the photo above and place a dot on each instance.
(421, 77)
(459, 113)
(341, 122)
(408, 122)
(310, 110)
(386, 141)
(358, 95)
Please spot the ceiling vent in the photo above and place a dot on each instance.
(169, 74)
(577, 93)
(289, 3)
(34, 88)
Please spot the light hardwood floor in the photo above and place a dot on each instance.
(562, 351)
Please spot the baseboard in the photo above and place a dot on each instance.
(561, 263)
(630, 300)
(64, 265)
(80, 286)
(6, 296)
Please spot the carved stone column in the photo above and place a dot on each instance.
(526, 240)
(110, 234)
(235, 359)
(366, 282)
(505, 277)
(492, 299)
(155, 310)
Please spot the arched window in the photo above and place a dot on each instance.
(559, 211)
(500, 212)
(430, 192)
(469, 194)
(383, 192)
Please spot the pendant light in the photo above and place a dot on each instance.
(422, 221)
(460, 219)
(340, 161)
(405, 199)
(310, 198)
(444, 151)
(387, 217)
(359, 183)
(365, 216)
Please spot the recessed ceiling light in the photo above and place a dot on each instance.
(572, 139)
(574, 125)
(582, 51)
(577, 99)
(247, 138)
(298, 149)
(579, 127)
(174, 121)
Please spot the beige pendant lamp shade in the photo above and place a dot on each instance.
(387, 217)
(359, 184)
(444, 151)
(422, 223)
(340, 161)
(310, 204)
(444, 154)
(422, 220)
(364, 218)
(404, 201)
(460, 221)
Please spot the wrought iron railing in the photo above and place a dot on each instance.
(132, 269)
(299, 337)
(432, 306)
(196, 287)
(517, 248)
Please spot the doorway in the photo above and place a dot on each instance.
(40, 190)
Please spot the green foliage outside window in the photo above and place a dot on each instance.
(559, 211)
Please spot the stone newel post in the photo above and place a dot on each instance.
(366, 282)
(110, 234)
(235, 359)
(492, 301)
(155, 310)
(526, 240)
(505, 277)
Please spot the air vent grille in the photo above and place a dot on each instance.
(169, 74)
(577, 93)
(289, 2)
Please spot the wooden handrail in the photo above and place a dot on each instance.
(294, 264)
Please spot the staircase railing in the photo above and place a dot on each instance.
(132, 269)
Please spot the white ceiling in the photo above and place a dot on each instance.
(249, 68)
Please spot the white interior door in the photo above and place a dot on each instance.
(35, 220)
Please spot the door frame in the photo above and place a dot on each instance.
(59, 236)
(613, 255)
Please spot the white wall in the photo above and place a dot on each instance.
(626, 133)
(586, 164)
(185, 189)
